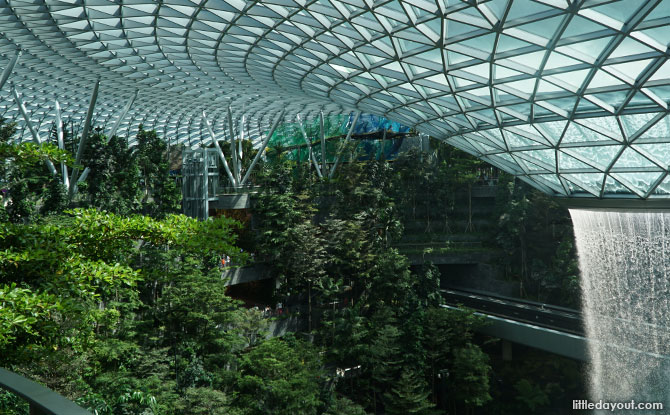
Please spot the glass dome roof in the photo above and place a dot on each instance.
(571, 96)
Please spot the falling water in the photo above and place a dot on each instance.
(625, 268)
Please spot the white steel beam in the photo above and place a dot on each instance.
(344, 143)
(218, 150)
(239, 146)
(9, 68)
(233, 147)
(33, 131)
(262, 147)
(61, 145)
(322, 134)
(309, 145)
(82, 142)
(125, 110)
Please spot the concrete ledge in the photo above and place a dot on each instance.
(281, 326)
(234, 276)
(625, 204)
(484, 191)
(450, 258)
(232, 201)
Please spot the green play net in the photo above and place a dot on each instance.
(289, 139)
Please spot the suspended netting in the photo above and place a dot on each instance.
(289, 138)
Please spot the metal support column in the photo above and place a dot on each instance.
(61, 145)
(344, 143)
(240, 150)
(322, 134)
(261, 150)
(309, 145)
(507, 350)
(379, 149)
(260, 136)
(205, 182)
(33, 131)
(233, 147)
(125, 110)
(218, 149)
(83, 176)
(82, 141)
(9, 68)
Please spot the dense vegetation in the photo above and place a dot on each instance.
(330, 244)
(527, 232)
(536, 240)
(117, 302)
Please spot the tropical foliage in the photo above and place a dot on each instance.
(332, 243)
(115, 301)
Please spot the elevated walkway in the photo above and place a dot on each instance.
(243, 275)
(553, 317)
(541, 338)
(545, 327)
(450, 257)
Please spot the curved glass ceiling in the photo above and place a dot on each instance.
(569, 95)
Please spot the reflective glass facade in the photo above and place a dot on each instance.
(571, 96)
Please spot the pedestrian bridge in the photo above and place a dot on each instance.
(545, 327)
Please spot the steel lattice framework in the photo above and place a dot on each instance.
(570, 95)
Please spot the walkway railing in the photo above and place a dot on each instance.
(43, 401)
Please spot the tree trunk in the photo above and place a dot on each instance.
(374, 401)
(469, 227)
(523, 262)
(427, 219)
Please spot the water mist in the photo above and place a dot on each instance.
(624, 260)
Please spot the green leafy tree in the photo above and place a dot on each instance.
(469, 374)
(55, 199)
(198, 323)
(24, 178)
(530, 395)
(409, 395)
(535, 234)
(383, 360)
(450, 348)
(345, 335)
(464, 170)
(206, 401)
(72, 315)
(331, 239)
(27, 317)
(161, 194)
(47, 261)
(280, 377)
(113, 183)
(344, 406)
(127, 180)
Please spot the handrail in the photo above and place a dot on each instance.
(42, 400)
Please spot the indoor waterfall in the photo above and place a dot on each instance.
(625, 282)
